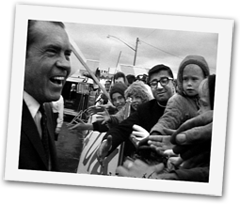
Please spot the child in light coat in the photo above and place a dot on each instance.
(184, 104)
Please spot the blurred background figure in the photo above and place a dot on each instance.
(102, 99)
(58, 108)
(107, 85)
(142, 77)
(73, 92)
(120, 77)
(130, 78)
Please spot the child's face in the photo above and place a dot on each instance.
(136, 101)
(204, 100)
(118, 100)
(192, 77)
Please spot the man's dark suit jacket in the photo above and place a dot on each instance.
(31, 155)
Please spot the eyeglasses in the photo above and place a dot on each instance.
(163, 81)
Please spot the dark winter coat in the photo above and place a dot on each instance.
(146, 116)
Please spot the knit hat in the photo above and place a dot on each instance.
(191, 59)
(118, 88)
(211, 87)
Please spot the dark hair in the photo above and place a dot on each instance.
(130, 78)
(142, 77)
(118, 88)
(119, 75)
(157, 69)
(31, 37)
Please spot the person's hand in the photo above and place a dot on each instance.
(195, 130)
(139, 169)
(103, 149)
(75, 126)
(160, 143)
(57, 130)
(139, 132)
(174, 162)
(103, 116)
(139, 137)
(95, 109)
(81, 126)
(194, 136)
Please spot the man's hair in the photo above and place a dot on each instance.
(157, 69)
(119, 75)
(130, 78)
(31, 37)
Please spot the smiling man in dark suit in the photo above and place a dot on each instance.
(46, 68)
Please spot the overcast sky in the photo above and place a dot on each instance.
(155, 46)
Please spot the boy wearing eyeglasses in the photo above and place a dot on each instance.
(183, 105)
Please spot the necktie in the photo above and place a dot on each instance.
(45, 140)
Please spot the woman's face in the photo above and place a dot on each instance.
(118, 100)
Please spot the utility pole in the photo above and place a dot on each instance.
(134, 49)
(135, 55)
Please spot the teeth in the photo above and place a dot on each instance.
(58, 78)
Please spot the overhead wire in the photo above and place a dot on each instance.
(160, 49)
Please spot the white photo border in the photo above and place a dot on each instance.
(224, 29)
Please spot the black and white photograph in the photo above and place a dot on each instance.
(119, 100)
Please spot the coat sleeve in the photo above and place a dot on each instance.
(178, 110)
(117, 118)
(98, 126)
(200, 174)
(121, 132)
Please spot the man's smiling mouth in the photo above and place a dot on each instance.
(57, 80)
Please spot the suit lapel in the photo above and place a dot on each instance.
(30, 129)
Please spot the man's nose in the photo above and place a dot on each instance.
(159, 85)
(64, 63)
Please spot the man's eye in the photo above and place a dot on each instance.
(154, 82)
(68, 55)
(164, 80)
(51, 51)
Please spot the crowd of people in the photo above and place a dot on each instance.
(165, 123)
